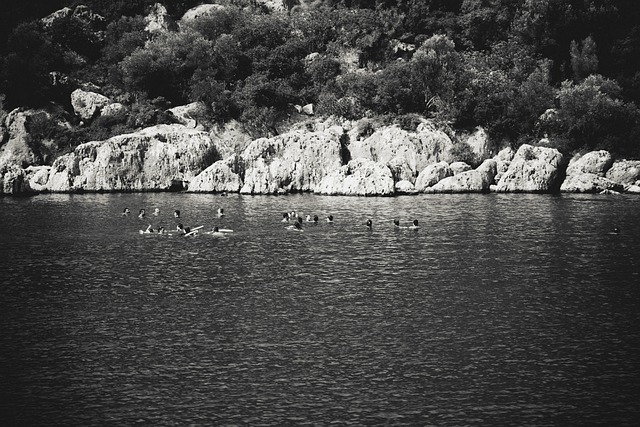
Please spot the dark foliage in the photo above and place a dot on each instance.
(566, 70)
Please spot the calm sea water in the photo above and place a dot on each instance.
(499, 310)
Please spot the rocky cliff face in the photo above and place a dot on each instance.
(470, 181)
(360, 177)
(162, 157)
(585, 174)
(296, 161)
(405, 153)
(390, 161)
(533, 170)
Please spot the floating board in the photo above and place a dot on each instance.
(193, 231)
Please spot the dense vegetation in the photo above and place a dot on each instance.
(568, 70)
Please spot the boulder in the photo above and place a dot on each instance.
(198, 12)
(88, 104)
(585, 174)
(394, 146)
(36, 178)
(115, 109)
(405, 187)
(432, 174)
(188, 114)
(533, 169)
(634, 189)
(12, 178)
(594, 162)
(471, 181)
(624, 172)
(503, 160)
(459, 167)
(294, 161)
(360, 177)
(588, 183)
(161, 157)
(222, 176)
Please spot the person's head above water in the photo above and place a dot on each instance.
(330, 218)
(216, 229)
(415, 222)
(126, 211)
(396, 222)
(616, 230)
(180, 226)
(315, 218)
(176, 213)
(369, 223)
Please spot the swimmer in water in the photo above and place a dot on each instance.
(216, 232)
(220, 212)
(156, 212)
(309, 218)
(369, 224)
(616, 230)
(415, 225)
(182, 229)
(161, 230)
(176, 213)
(315, 219)
(330, 219)
(126, 212)
(149, 229)
(396, 223)
(285, 217)
(141, 214)
(297, 225)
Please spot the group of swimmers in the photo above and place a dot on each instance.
(294, 217)
(180, 228)
(297, 221)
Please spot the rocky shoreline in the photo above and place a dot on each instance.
(321, 157)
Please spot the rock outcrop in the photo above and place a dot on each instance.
(405, 187)
(625, 172)
(585, 174)
(158, 20)
(360, 177)
(471, 181)
(503, 160)
(295, 161)
(432, 174)
(459, 167)
(16, 180)
(188, 114)
(199, 12)
(406, 153)
(161, 157)
(222, 176)
(88, 104)
(18, 146)
(533, 170)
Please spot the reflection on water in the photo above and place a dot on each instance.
(499, 310)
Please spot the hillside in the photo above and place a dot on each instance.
(566, 71)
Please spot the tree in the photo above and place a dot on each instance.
(584, 59)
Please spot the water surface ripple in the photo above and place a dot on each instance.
(499, 310)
